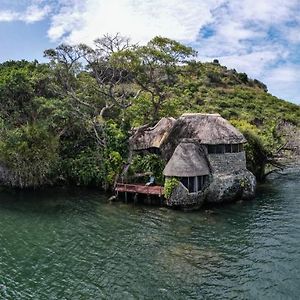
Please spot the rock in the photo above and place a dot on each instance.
(239, 185)
(231, 187)
(181, 197)
(113, 198)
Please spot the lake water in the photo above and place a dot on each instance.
(74, 245)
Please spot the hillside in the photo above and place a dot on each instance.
(245, 102)
(67, 123)
(210, 87)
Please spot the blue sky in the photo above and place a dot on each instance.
(261, 38)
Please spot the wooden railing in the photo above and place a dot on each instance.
(140, 189)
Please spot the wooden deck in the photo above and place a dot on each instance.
(140, 189)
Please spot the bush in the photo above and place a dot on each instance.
(86, 168)
(148, 163)
(30, 153)
(170, 184)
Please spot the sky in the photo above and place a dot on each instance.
(261, 38)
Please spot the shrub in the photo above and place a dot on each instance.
(170, 184)
(30, 153)
(148, 163)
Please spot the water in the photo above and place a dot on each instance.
(74, 245)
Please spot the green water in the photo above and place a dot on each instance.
(74, 245)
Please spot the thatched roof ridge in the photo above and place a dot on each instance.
(200, 114)
(188, 160)
(151, 137)
(209, 129)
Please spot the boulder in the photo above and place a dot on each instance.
(181, 197)
(239, 185)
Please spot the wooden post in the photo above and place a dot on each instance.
(135, 198)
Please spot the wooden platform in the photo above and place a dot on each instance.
(140, 189)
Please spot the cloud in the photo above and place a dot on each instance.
(33, 13)
(254, 63)
(292, 34)
(285, 74)
(140, 19)
(260, 39)
(284, 81)
(8, 16)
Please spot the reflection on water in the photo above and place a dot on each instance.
(74, 245)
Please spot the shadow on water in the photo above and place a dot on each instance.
(73, 244)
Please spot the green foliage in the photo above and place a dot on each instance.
(154, 68)
(258, 148)
(116, 138)
(148, 163)
(66, 121)
(30, 152)
(113, 163)
(20, 83)
(83, 169)
(170, 184)
(91, 165)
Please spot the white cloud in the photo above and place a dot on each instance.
(265, 11)
(139, 19)
(285, 74)
(284, 81)
(292, 34)
(254, 64)
(8, 16)
(33, 13)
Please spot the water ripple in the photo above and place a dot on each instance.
(75, 245)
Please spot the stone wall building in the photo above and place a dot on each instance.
(205, 153)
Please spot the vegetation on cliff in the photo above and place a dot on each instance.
(68, 121)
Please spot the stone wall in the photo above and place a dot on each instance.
(227, 162)
(181, 197)
(230, 181)
(223, 187)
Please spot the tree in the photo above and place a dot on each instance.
(155, 68)
(22, 82)
(30, 153)
(109, 84)
(94, 86)
(261, 157)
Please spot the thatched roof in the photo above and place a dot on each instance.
(188, 160)
(209, 129)
(151, 137)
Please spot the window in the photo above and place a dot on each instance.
(211, 149)
(220, 149)
(154, 150)
(189, 183)
(185, 181)
(228, 148)
(225, 148)
(235, 148)
(194, 184)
